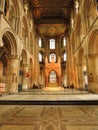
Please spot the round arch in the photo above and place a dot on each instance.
(9, 39)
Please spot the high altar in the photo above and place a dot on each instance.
(54, 79)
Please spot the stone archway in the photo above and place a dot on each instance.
(93, 62)
(9, 59)
(24, 71)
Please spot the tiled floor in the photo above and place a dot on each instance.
(48, 117)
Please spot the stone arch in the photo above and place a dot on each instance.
(24, 57)
(25, 24)
(9, 60)
(93, 61)
(93, 44)
(89, 12)
(82, 69)
(12, 16)
(17, 8)
(17, 16)
(10, 41)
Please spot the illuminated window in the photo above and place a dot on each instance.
(77, 6)
(40, 57)
(52, 57)
(40, 42)
(52, 77)
(52, 43)
(64, 56)
(64, 41)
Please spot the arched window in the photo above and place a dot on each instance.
(52, 57)
(64, 56)
(77, 6)
(64, 41)
(40, 42)
(52, 77)
(40, 57)
(52, 43)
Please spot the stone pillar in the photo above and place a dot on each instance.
(12, 75)
(17, 24)
(80, 76)
(26, 82)
(1, 42)
(59, 80)
(46, 81)
(92, 63)
(2, 4)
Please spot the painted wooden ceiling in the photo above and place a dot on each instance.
(51, 14)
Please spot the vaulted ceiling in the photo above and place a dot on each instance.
(51, 15)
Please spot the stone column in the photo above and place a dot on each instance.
(80, 76)
(1, 42)
(26, 81)
(59, 80)
(12, 75)
(92, 63)
(46, 81)
(2, 4)
(31, 75)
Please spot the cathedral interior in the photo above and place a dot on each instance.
(48, 48)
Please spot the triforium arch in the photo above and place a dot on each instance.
(93, 61)
(9, 60)
(12, 13)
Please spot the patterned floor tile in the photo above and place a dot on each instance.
(49, 117)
